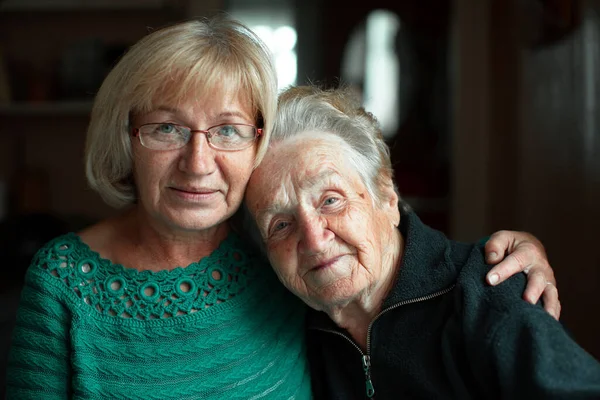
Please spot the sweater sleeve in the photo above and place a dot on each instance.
(517, 349)
(38, 365)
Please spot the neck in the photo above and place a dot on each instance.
(170, 247)
(357, 315)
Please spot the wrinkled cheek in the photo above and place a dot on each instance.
(368, 256)
(285, 263)
(355, 223)
(288, 278)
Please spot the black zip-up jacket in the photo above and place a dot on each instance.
(443, 333)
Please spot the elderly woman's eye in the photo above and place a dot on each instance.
(279, 226)
(330, 200)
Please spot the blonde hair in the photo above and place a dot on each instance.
(304, 109)
(189, 57)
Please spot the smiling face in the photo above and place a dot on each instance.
(326, 238)
(195, 188)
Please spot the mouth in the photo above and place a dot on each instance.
(322, 271)
(196, 195)
(325, 263)
(194, 191)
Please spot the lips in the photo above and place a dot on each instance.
(194, 190)
(326, 263)
(196, 195)
(323, 262)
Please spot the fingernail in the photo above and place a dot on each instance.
(492, 255)
(493, 279)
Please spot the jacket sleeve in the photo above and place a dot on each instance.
(517, 349)
(38, 365)
(536, 358)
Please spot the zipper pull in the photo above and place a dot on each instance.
(367, 368)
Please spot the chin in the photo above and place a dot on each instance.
(197, 221)
(340, 293)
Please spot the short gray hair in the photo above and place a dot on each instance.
(304, 109)
(189, 57)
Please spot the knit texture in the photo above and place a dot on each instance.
(223, 327)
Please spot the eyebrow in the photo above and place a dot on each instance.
(270, 210)
(225, 114)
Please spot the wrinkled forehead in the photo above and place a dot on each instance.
(304, 147)
(293, 161)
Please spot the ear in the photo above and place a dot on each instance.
(389, 201)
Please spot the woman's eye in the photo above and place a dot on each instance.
(228, 130)
(330, 200)
(166, 128)
(278, 227)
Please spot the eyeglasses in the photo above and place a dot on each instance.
(166, 136)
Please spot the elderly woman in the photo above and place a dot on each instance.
(401, 311)
(166, 300)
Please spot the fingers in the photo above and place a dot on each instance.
(536, 285)
(503, 242)
(540, 283)
(520, 260)
(526, 254)
(498, 244)
(551, 301)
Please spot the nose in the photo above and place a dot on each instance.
(315, 236)
(198, 157)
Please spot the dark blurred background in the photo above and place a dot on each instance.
(491, 108)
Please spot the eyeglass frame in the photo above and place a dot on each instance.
(135, 132)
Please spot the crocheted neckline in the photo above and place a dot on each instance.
(117, 291)
(230, 241)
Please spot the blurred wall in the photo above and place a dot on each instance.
(526, 146)
(559, 176)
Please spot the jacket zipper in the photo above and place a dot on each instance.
(366, 358)
(366, 361)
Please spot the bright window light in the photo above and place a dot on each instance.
(382, 69)
(276, 29)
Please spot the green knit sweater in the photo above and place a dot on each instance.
(220, 328)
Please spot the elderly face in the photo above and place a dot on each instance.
(326, 238)
(196, 187)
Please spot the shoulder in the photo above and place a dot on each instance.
(65, 259)
(51, 271)
(484, 309)
(472, 279)
(62, 248)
